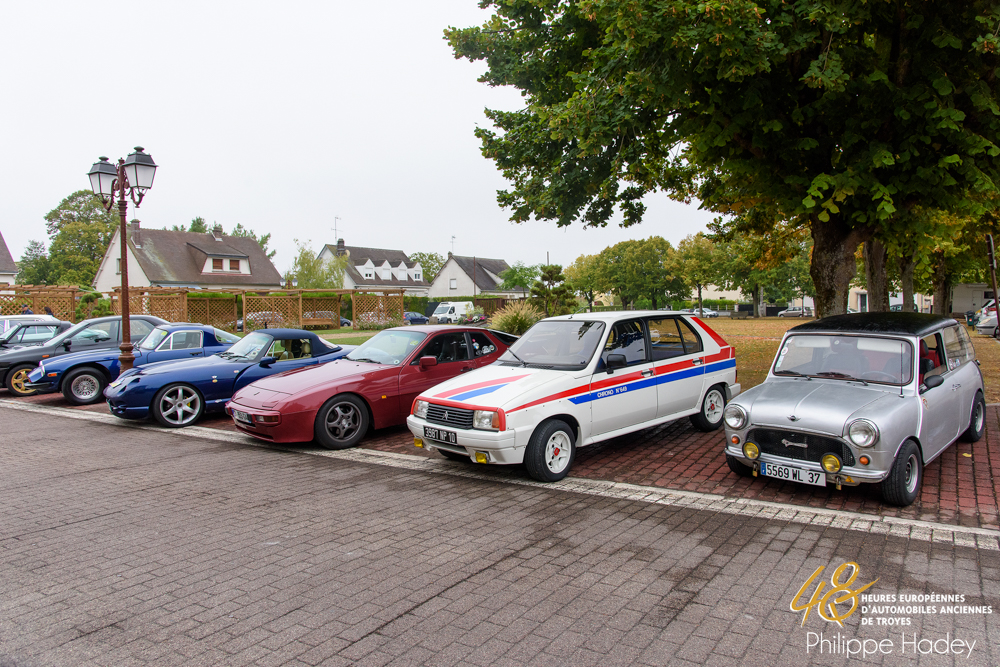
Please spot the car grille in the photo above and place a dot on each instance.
(770, 442)
(447, 416)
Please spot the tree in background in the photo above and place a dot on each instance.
(198, 225)
(34, 267)
(829, 116)
(430, 262)
(314, 273)
(520, 275)
(699, 261)
(240, 231)
(584, 276)
(774, 267)
(552, 288)
(80, 231)
(648, 269)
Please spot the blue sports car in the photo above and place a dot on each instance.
(177, 393)
(82, 376)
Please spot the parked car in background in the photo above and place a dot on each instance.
(414, 318)
(7, 321)
(27, 334)
(178, 393)
(372, 387)
(575, 380)
(449, 312)
(82, 376)
(864, 398)
(262, 320)
(704, 312)
(99, 333)
(989, 308)
(796, 311)
(988, 326)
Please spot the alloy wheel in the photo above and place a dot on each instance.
(180, 406)
(557, 451)
(343, 421)
(85, 387)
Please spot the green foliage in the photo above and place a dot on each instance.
(699, 261)
(774, 267)
(241, 231)
(430, 262)
(519, 275)
(648, 269)
(584, 276)
(92, 305)
(34, 267)
(80, 230)
(553, 291)
(515, 318)
(197, 225)
(315, 273)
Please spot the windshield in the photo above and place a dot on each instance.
(9, 332)
(152, 339)
(567, 344)
(442, 309)
(225, 338)
(249, 347)
(390, 347)
(881, 360)
(69, 333)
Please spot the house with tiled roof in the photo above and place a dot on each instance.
(8, 269)
(471, 276)
(377, 268)
(196, 260)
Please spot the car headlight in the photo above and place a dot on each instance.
(862, 433)
(420, 409)
(735, 416)
(488, 420)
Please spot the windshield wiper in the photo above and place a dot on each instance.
(371, 361)
(795, 373)
(841, 376)
(523, 362)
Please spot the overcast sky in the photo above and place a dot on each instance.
(280, 116)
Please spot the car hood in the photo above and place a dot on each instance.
(304, 379)
(193, 363)
(73, 358)
(501, 386)
(823, 406)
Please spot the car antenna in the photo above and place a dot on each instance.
(901, 369)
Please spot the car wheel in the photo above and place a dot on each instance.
(83, 386)
(550, 451)
(178, 405)
(342, 422)
(902, 485)
(16, 379)
(709, 418)
(977, 420)
(738, 467)
(454, 456)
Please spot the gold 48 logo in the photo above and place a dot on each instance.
(826, 604)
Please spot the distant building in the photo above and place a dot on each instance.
(8, 269)
(377, 268)
(198, 260)
(472, 276)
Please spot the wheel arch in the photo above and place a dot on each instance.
(570, 420)
(84, 364)
(163, 386)
(364, 401)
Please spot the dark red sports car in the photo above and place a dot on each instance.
(373, 386)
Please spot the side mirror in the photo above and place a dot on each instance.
(427, 362)
(66, 344)
(267, 361)
(615, 361)
(933, 381)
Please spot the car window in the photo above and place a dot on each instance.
(931, 356)
(873, 359)
(182, 340)
(97, 332)
(138, 329)
(958, 348)
(665, 339)
(446, 348)
(692, 341)
(391, 347)
(481, 344)
(629, 339)
(291, 348)
(37, 334)
(13, 335)
(225, 338)
(153, 339)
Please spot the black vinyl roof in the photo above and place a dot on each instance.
(906, 324)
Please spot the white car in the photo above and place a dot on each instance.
(987, 326)
(575, 380)
(8, 321)
(796, 311)
(705, 312)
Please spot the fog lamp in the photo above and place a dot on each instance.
(751, 451)
(482, 457)
(830, 463)
(417, 442)
(267, 419)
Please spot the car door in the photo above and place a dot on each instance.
(178, 345)
(626, 396)
(97, 336)
(941, 404)
(677, 361)
(288, 354)
(450, 349)
(965, 377)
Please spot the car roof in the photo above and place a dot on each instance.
(899, 323)
(615, 315)
(181, 326)
(434, 328)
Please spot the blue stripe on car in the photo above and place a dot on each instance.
(653, 381)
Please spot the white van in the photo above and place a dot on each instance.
(449, 312)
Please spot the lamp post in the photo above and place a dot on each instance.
(129, 179)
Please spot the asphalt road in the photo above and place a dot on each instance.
(129, 546)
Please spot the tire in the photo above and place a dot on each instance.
(177, 406)
(84, 386)
(738, 467)
(342, 422)
(550, 451)
(977, 420)
(454, 456)
(16, 379)
(902, 486)
(709, 417)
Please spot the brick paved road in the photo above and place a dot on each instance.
(961, 487)
(124, 546)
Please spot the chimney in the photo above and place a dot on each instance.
(134, 235)
(341, 249)
(449, 254)
(217, 232)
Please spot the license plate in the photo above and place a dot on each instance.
(441, 436)
(241, 416)
(792, 474)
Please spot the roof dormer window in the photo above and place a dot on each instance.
(217, 264)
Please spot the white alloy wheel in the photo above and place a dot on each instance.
(179, 405)
(85, 387)
(557, 452)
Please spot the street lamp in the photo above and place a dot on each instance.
(132, 177)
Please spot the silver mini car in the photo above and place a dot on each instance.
(868, 397)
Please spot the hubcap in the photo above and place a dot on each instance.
(180, 406)
(85, 387)
(18, 381)
(977, 417)
(343, 421)
(713, 406)
(912, 474)
(557, 451)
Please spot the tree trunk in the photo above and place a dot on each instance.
(833, 265)
(942, 287)
(906, 267)
(756, 300)
(876, 276)
(699, 299)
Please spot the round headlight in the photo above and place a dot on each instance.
(830, 463)
(751, 451)
(735, 416)
(862, 433)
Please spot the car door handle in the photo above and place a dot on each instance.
(696, 362)
(195, 354)
(648, 373)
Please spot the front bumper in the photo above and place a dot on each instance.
(121, 409)
(290, 428)
(499, 447)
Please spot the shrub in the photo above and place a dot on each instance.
(515, 318)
